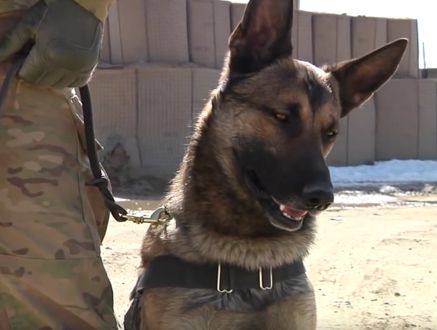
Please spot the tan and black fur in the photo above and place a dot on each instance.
(262, 139)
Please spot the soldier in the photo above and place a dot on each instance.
(51, 223)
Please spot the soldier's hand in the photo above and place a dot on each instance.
(65, 39)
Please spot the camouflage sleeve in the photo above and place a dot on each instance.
(98, 7)
(13, 5)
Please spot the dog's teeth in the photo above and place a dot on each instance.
(290, 217)
(286, 215)
(282, 207)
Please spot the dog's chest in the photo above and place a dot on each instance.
(290, 306)
(294, 312)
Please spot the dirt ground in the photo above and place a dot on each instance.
(374, 264)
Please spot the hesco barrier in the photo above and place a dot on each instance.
(161, 58)
(149, 111)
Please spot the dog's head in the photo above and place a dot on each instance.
(282, 115)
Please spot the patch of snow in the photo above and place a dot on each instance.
(393, 171)
(119, 199)
(359, 198)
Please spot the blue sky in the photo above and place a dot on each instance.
(425, 11)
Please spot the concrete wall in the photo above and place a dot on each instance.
(406, 28)
(368, 34)
(356, 142)
(406, 121)
(427, 122)
(302, 36)
(114, 98)
(361, 134)
(164, 117)
(208, 29)
(400, 122)
(197, 31)
(331, 38)
(150, 109)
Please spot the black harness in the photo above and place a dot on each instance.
(172, 272)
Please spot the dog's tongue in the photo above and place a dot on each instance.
(294, 213)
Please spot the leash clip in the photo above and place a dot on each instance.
(219, 276)
(158, 217)
(261, 281)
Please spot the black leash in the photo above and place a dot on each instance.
(9, 79)
(99, 181)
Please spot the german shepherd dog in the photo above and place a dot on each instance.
(244, 201)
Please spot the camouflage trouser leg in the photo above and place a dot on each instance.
(51, 273)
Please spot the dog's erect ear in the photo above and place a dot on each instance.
(360, 78)
(262, 36)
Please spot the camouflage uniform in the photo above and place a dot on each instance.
(51, 273)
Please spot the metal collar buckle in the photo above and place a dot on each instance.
(219, 275)
(269, 286)
(261, 282)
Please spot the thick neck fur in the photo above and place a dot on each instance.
(217, 219)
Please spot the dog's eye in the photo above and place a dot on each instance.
(281, 116)
(331, 134)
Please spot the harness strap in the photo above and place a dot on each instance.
(132, 318)
(171, 271)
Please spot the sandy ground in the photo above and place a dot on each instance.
(374, 265)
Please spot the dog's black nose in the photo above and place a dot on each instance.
(318, 197)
